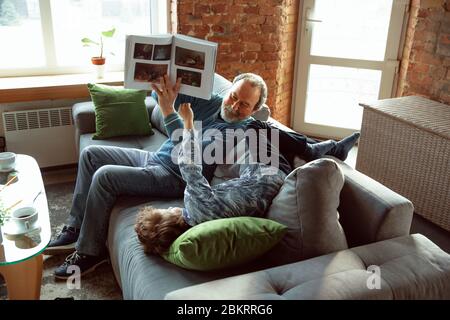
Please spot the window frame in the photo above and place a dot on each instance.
(389, 67)
(51, 67)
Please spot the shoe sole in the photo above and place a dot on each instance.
(52, 251)
(83, 273)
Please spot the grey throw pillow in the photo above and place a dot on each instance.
(307, 204)
(262, 114)
(157, 120)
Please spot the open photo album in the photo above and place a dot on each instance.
(147, 58)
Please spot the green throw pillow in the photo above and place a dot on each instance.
(222, 243)
(119, 112)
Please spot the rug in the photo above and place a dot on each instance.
(98, 285)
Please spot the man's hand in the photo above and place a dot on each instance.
(167, 93)
(187, 115)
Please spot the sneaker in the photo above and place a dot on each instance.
(85, 264)
(64, 242)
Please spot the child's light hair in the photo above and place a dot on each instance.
(157, 229)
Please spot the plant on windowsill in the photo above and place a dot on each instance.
(99, 61)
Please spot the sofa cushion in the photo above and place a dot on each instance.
(296, 281)
(146, 276)
(148, 143)
(157, 120)
(119, 111)
(152, 143)
(223, 243)
(307, 204)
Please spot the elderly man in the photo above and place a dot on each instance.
(104, 173)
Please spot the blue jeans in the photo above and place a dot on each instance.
(104, 173)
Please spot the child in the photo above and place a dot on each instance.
(249, 195)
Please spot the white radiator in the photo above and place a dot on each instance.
(48, 135)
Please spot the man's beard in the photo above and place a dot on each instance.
(227, 114)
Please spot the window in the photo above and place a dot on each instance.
(348, 54)
(44, 36)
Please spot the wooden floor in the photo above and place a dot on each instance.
(433, 232)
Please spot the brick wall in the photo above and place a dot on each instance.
(425, 67)
(254, 36)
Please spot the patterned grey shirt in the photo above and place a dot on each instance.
(249, 195)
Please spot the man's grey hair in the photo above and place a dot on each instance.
(255, 81)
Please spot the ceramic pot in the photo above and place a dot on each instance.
(98, 61)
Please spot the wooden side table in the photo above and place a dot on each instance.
(21, 254)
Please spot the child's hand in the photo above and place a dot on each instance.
(187, 115)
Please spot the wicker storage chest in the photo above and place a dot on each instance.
(405, 145)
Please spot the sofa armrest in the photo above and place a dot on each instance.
(278, 125)
(409, 267)
(83, 114)
(369, 211)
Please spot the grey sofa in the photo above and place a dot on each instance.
(375, 219)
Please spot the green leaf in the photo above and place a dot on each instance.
(88, 41)
(109, 33)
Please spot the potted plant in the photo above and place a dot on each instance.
(99, 61)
